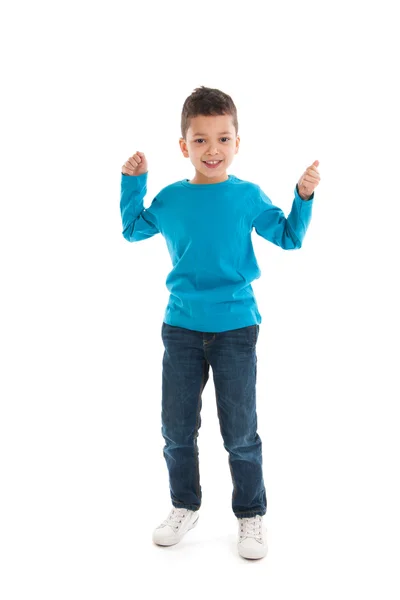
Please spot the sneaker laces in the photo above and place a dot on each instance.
(175, 517)
(251, 527)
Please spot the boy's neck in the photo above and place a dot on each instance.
(200, 178)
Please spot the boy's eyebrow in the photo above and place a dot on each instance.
(222, 133)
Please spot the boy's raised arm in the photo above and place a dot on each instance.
(138, 223)
(270, 221)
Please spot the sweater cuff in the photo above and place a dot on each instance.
(134, 181)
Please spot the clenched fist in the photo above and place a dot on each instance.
(309, 181)
(135, 165)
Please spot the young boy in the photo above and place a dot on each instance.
(212, 316)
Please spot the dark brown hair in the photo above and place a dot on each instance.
(207, 101)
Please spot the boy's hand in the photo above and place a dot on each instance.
(309, 181)
(135, 165)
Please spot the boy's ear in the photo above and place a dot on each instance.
(183, 146)
(237, 144)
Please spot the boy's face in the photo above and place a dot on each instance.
(210, 138)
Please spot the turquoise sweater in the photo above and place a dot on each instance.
(207, 228)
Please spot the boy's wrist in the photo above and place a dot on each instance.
(133, 176)
(305, 198)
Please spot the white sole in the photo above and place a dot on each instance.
(253, 554)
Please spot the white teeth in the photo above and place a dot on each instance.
(212, 162)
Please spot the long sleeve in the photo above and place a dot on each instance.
(138, 223)
(271, 223)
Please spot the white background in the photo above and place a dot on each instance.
(83, 479)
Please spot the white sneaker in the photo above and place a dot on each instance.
(172, 530)
(252, 541)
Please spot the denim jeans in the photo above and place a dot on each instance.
(186, 363)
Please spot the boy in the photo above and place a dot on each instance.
(212, 316)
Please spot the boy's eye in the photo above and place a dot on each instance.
(201, 139)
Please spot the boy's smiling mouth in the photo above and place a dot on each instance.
(212, 163)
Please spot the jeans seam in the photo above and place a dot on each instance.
(196, 458)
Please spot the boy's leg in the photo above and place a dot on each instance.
(232, 355)
(184, 377)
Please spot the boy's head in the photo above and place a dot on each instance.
(209, 127)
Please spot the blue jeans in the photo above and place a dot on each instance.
(186, 363)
